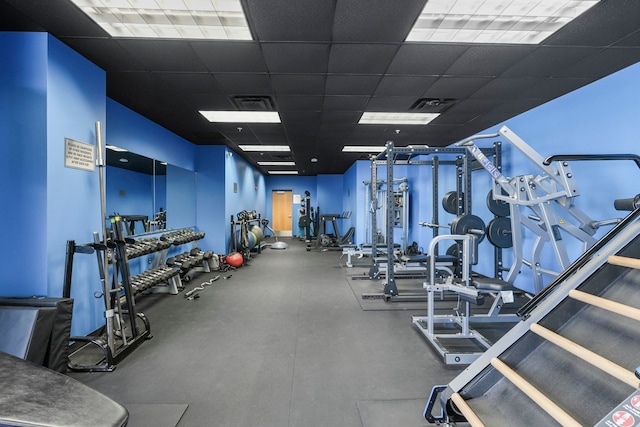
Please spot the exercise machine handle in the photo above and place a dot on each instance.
(561, 157)
(627, 204)
(431, 225)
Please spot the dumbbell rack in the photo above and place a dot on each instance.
(182, 273)
(571, 359)
(125, 327)
(190, 263)
(158, 278)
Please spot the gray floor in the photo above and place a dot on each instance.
(283, 342)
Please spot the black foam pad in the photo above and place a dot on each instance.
(32, 395)
(57, 354)
(25, 331)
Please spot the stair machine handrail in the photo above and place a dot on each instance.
(572, 157)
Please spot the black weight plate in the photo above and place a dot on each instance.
(497, 207)
(450, 202)
(453, 250)
(499, 232)
(325, 240)
(464, 224)
(304, 221)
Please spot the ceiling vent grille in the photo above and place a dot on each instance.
(431, 105)
(254, 103)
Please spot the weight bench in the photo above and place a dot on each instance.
(349, 251)
(35, 396)
(471, 290)
(415, 265)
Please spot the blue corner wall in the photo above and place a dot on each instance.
(23, 163)
(212, 218)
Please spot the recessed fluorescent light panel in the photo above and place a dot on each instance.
(277, 163)
(363, 149)
(283, 172)
(242, 116)
(495, 21)
(372, 118)
(262, 148)
(169, 19)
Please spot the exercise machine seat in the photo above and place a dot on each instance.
(415, 258)
(424, 258)
(35, 396)
(491, 284)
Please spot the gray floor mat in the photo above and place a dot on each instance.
(155, 414)
(385, 413)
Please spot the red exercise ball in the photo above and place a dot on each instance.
(234, 259)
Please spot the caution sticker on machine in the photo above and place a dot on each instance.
(626, 414)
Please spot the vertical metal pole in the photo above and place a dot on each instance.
(460, 186)
(497, 160)
(374, 208)
(106, 290)
(405, 215)
(390, 288)
(434, 197)
(467, 182)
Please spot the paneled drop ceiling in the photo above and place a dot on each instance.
(322, 63)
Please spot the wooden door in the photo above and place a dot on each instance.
(281, 210)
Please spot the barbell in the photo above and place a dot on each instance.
(464, 224)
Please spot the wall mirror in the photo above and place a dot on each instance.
(149, 194)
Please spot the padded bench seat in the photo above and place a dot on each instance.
(440, 259)
(32, 395)
(491, 284)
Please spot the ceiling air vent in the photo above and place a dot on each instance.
(254, 103)
(431, 105)
(283, 156)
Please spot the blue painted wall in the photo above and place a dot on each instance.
(350, 203)
(210, 164)
(76, 96)
(129, 130)
(327, 188)
(23, 163)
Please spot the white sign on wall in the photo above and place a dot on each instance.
(79, 155)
